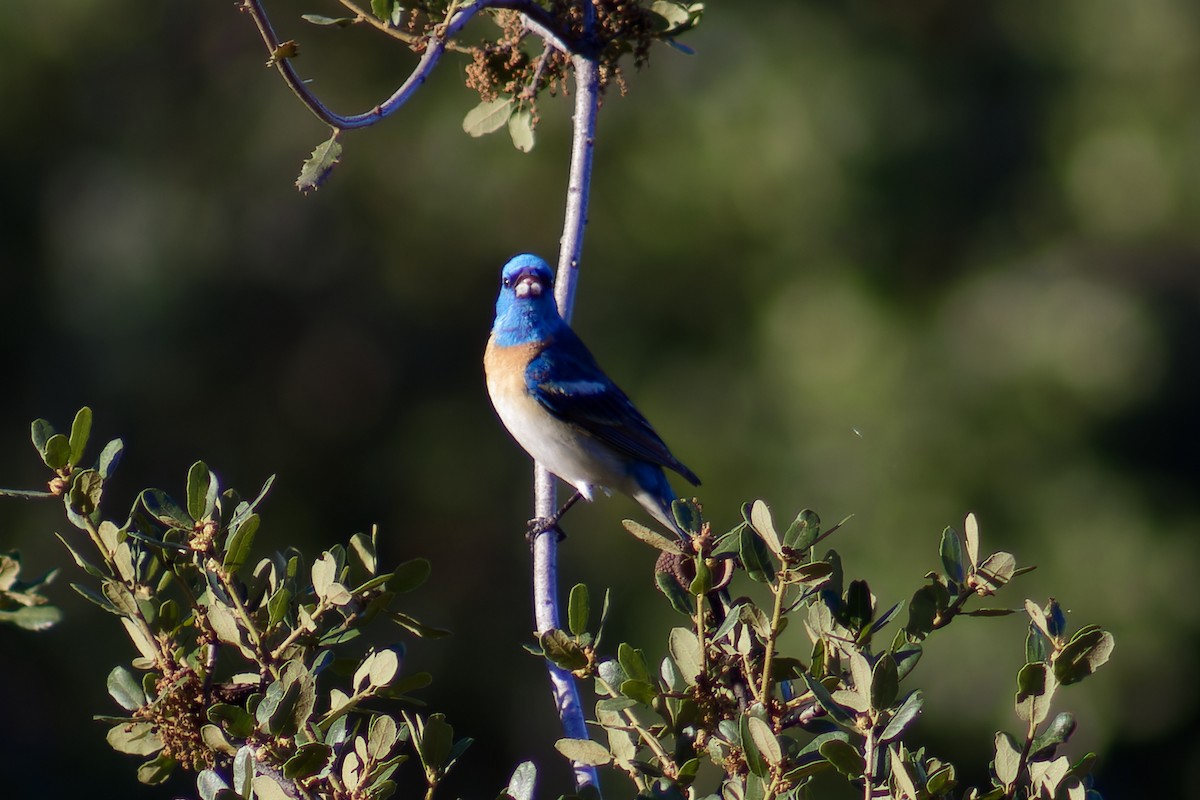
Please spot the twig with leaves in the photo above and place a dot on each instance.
(231, 678)
(508, 79)
(728, 693)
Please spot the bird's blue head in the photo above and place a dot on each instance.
(525, 309)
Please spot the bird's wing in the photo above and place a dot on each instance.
(566, 380)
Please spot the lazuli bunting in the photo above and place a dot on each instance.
(560, 406)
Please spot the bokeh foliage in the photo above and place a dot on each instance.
(966, 233)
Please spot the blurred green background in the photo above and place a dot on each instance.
(901, 261)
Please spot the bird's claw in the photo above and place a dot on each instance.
(540, 525)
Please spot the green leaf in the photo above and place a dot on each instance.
(1008, 758)
(266, 788)
(227, 628)
(235, 720)
(680, 600)
(760, 520)
(520, 129)
(702, 583)
(488, 117)
(685, 650)
(456, 752)
(652, 538)
(32, 618)
(434, 741)
(922, 611)
(382, 737)
(901, 776)
(288, 702)
(126, 689)
(843, 756)
(1057, 732)
(278, 606)
(211, 786)
(416, 627)
(363, 549)
(907, 714)
(614, 704)
(318, 19)
(384, 668)
(156, 771)
(523, 781)
(81, 429)
(387, 10)
(1087, 651)
(1035, 690)
(243, 770)
(803, 531)
(1036, 645)
(578, 609)
(675, 14)
(755, 760)
(309, 760)
(40, 432)
(755, 557)
(941, 781)
(633, 661)
(324, 574)
(58, 451)
(276, 708)
(826, 701)
(642, 691)
(84, 495)
(316, 167)
(995, 571)
(971, 531)
(813, 573)
(110, 456)
(952, 555)
(687, 515)
(409, 683)
(201, 492)
(10, 569)
(885, 682)
(906, 656)
(409, 575)
(584, 751)
(860, 605)
(240, 542)
(377, 670)
(764, 740)
(562, 650)
(93, 596)
(134, 738)
(142, 641)
(160, 506)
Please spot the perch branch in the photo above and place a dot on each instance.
(545, 548)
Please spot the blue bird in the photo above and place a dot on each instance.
(560, 406)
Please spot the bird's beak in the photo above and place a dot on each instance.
(529, 285)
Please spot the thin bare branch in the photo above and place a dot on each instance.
(545, 547)
(536, 19)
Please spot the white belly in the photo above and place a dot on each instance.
(562, 448)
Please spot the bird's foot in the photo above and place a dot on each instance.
(540, 525)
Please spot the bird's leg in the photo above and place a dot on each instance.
(540, 525)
